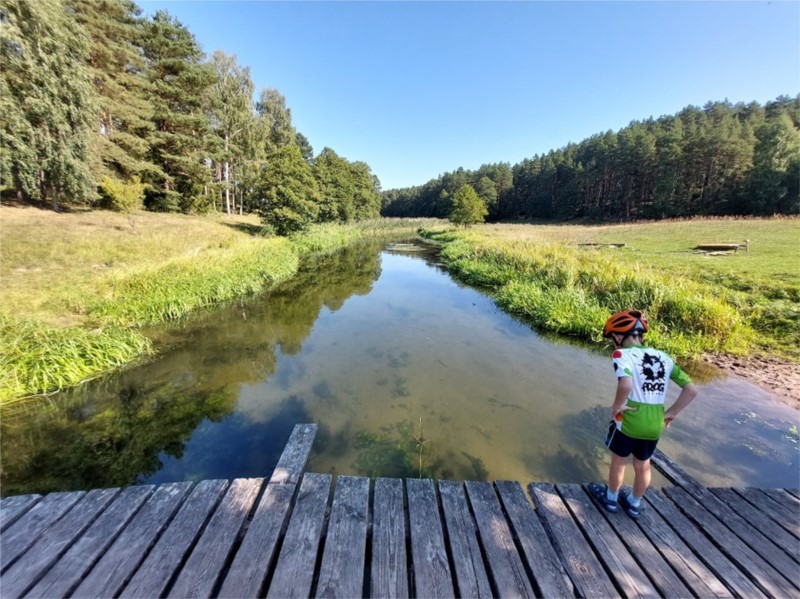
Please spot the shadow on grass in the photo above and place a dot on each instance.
(250, 229)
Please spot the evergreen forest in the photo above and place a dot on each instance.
(722, 159)
(101, 106)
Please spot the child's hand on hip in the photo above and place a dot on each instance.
(617, 414)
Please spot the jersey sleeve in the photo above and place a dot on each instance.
(622, 364)
(679, 377)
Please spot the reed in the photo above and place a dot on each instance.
(568, 290)
(37, 358)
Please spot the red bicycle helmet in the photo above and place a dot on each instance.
(626, 322)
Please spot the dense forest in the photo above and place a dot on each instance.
(722, 159)
(101, 106)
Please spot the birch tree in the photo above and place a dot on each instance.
(232, 118)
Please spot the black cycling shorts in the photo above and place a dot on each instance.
(622, 445)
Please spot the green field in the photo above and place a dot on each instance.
(742, 303)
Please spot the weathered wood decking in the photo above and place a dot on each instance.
(302, 535)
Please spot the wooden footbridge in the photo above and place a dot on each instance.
(304, 535)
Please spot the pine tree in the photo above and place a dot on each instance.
(46, 103)
(121, 136)
(468, 208)
(182, 142)
(487, 192)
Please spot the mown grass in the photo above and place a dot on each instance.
(78, 288)
(742, 304)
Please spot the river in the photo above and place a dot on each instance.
(406, 371)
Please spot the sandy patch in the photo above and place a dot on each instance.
(779, 377)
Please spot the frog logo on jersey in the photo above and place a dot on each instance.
(654, 372)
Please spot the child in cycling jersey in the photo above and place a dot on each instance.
(638, 413)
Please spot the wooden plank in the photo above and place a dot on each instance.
(342, 571)
(673, 472)
(254, 558)
(765, 576)
(431, 570)
(470, 572)
(12, 508)
(608, 546)
(585, 570)
(26, 530)
(293, 459)
(748, 532)
(163, 561)
(68, 571)
(508, 571)
(389, 572)
(750, 535)
(787, 500)
(202, 569)
(256, 554)
(690, 568)
(794, 493)
(764, 557)
(121, 559)
(781, 539)
(24, 573)
(636, 542)
(537, 551)
(294, 572)
(764, 502)
(720, 565)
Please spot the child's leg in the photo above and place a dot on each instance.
(641, 478)
(616, 472)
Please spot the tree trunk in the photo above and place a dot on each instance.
(227, 178)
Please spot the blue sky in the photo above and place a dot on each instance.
(416, 89)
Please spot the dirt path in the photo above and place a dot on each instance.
(779, 377)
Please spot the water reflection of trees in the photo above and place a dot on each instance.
(104, 443)
(115, 431)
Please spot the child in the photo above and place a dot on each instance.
(637, 416)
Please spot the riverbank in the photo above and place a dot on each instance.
(778, 376)
(739, 311)
(78, 287)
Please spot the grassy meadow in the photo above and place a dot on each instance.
(78, 288)
(743, 303)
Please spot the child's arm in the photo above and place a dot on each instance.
(624, 387)
(688, 393)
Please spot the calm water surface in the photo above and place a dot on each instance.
(406, 371)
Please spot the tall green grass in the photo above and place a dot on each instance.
(185, 284)
(71, 314)
(36, 358)
(570, 291)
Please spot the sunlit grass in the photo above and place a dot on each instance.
(78, 287)
(743, 303)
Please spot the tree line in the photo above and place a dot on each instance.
(721, 159)
(102, 106)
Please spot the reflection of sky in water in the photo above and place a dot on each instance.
(418, 357)
(495, 399)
